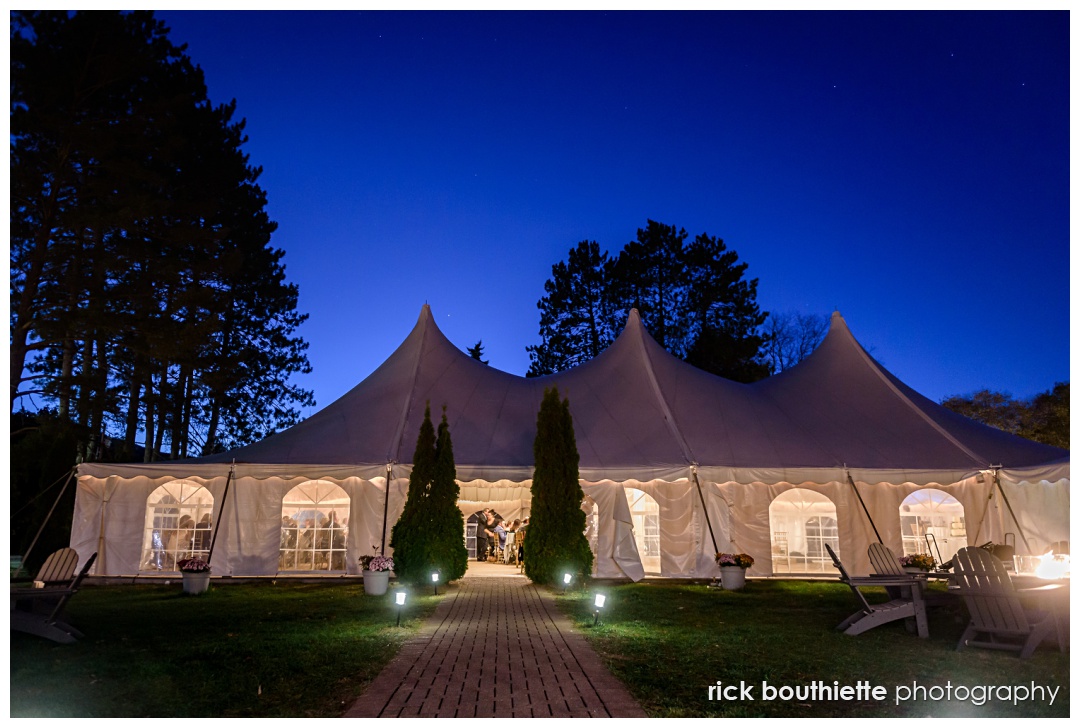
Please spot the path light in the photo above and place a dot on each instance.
(435, 581)
(399, 599)
(599, 604)
(566, 579)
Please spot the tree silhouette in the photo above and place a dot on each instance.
(692, 297)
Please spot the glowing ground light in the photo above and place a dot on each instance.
(399, 599)
(598, 602)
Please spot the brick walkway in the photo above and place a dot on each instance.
(542, 667)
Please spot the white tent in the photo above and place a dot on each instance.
(676, 463)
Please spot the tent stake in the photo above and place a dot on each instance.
(863, 504)
(706, 509)
(221, 511)
(385, 508)
(997, 482)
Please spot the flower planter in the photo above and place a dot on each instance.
(732, 577)
(196, 582)
(376, 582)
(915, 570)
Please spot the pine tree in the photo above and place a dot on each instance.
(409, 535)
(577, 312)
(477, 352)
(556, 535)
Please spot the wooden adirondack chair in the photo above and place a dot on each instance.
(884, 560)
(39, 611)
(874, 615)
(59, 568)
(996, 612)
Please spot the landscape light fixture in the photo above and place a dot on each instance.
(599, 604)
(435, 581)
(566, 579)
(399, 599)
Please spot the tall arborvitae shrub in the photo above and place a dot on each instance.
(410, 536)
(448, 551)
(429, 536)
(555, 541)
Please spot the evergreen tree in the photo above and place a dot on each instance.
(577, 312)
(693, 298)
(430, 533)
(144, 294)
(409, 537)
(556, 536)
(449, 554)
(477, 352)
(651, 275)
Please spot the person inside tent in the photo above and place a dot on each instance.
(500, 534)
(482, 519)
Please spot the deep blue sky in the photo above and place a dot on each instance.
(909, 169)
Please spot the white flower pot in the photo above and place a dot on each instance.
(732, 577)
(196, 583)
(376, 582)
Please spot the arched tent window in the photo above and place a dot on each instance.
(934, 512)
(314, 527)
(645, 513)
(802, 521)
(177, 526)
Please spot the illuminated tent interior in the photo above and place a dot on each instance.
(676, 464)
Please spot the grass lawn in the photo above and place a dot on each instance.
(669, 642)
(240, 650)
(309, 650)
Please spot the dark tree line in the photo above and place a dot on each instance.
(692, 297)
(146, 300)
(1044, 418)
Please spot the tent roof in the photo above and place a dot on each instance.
(638, 410)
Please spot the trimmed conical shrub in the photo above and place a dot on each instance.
(429, 536)
(448, 551)
(556, 540)
(408, 538)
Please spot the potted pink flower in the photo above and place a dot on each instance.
(196, 575)
(733, 569)
(376, 570)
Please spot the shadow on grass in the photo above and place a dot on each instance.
(669, 642)
(241, 650)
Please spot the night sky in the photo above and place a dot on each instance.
(909, 169)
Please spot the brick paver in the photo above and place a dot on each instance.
(535, 663)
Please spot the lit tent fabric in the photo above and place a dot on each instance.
(712, 453)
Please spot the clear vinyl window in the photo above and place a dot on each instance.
(178, 525)
(802, 521)
(314, 527)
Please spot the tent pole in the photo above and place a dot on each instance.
(386, 508)
(63, 490)
(997, 482)
(986, 511)
(706, 509)
(863, 504)
(221, 511)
